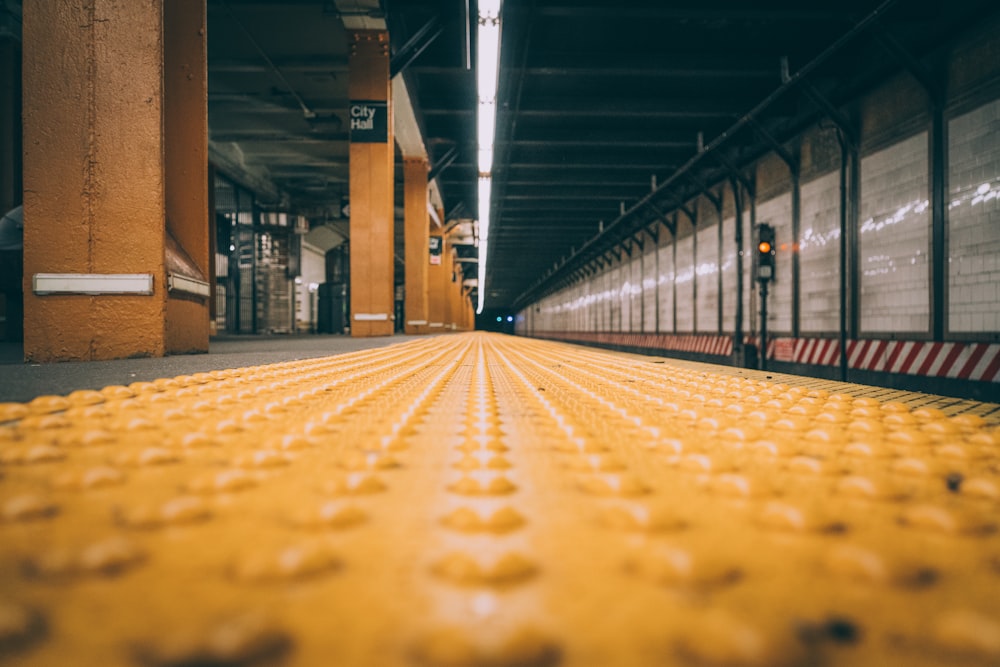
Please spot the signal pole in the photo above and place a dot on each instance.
(765, 274)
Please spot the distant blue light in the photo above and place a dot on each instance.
(510, 318)
(499, 319)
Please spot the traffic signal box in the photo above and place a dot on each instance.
(765, 252)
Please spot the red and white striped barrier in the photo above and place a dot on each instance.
(717, 345)
(964, 361)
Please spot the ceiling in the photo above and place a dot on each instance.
(278, 101)
(597, 99)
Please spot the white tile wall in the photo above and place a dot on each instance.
(665, 280)
(635, 292)
(729, 275)
(615, 298)
(649, 288)
(598, 316)
(685, 284)
(605, 302)
(707, 275)
(974, 221)
(895, 238)
(819, 255)
(624, 285)
(777, 212)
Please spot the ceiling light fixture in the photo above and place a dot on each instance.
(487, 74)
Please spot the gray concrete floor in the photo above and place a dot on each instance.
(22, 382)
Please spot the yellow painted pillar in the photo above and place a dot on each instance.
(437, 284)
(454, 291)
(371, 186)
(96, 147)
(185, 114)
(416, 237)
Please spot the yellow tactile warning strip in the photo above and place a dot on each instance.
(486, 500)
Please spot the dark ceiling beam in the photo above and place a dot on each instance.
(644, 167)
(583, 141)
(416, 45)
(665, 109)
(270, 103)
(272, 137)
(443, 163)
(448, 111)
(318, 65)
(646, 73)
(706, 12)
(614, 197)
(577, 181)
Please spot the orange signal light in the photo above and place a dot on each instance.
(764, 247)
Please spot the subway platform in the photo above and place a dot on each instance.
(485, 500)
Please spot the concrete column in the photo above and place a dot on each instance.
(95, 176)
(185, 115)
(438, 281)
(416, 241)
(449, 288)
(371, 187)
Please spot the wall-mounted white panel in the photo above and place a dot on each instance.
(685, 284)
(777, 212)
(649, 288)
(707, 275)
(665, 283)
(728, 270)
(974, 221)
(819, 255)
(895, 238)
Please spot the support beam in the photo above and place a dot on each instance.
(185, 114)
(437, 282)
(416, 223)
(371, 187)
(415, 46)
(102, 174)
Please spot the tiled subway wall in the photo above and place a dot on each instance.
(684, 278)
(819, 254)
(894, 232)
(635, 291)
(665, 282)
(974, 220)
(728, 270)
(707, 275)
(649, 288)
(673, 286)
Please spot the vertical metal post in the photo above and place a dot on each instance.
(738, 320)
(673, 282)
(938, 195)
(763, 325)
(796, 230)
(844, 215)
(656, 281)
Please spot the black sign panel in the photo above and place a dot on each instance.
(435, 248)
(369, 121)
